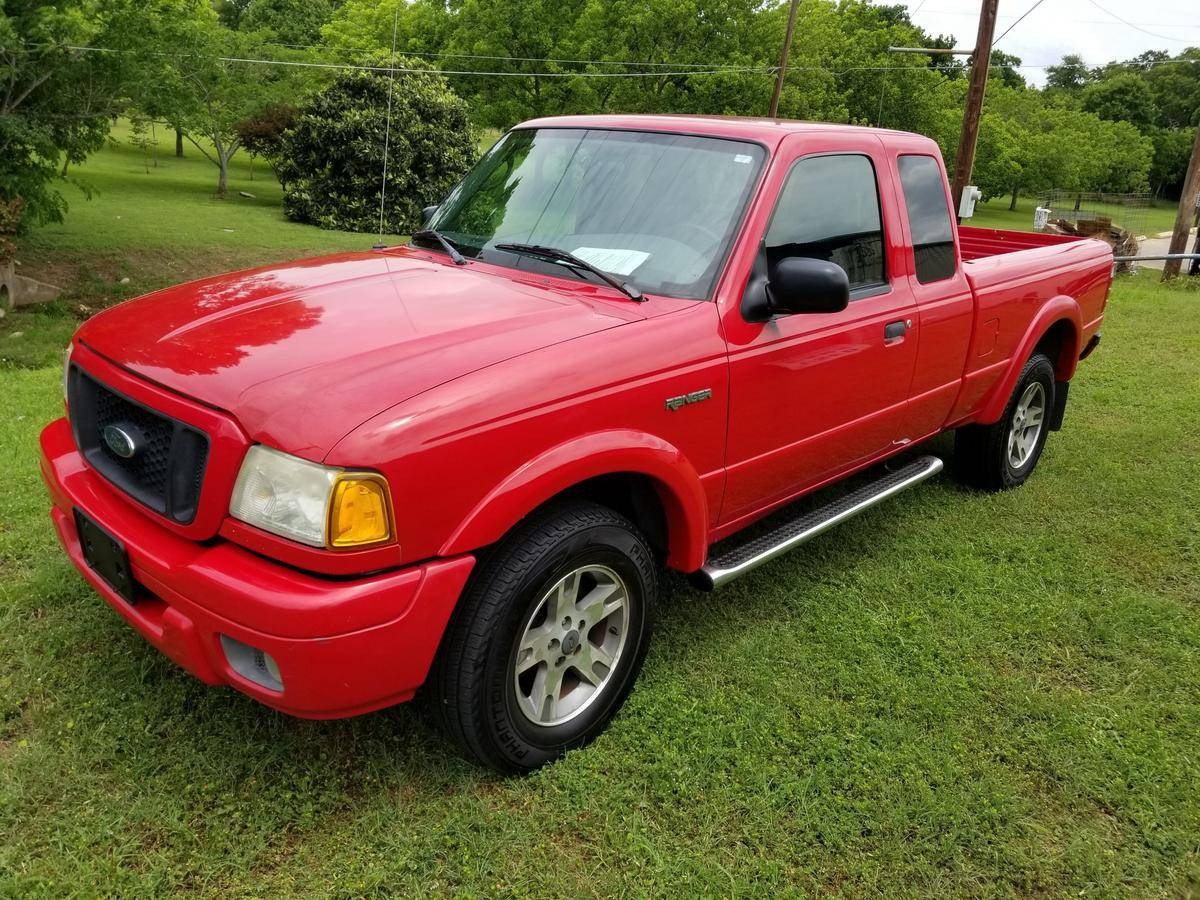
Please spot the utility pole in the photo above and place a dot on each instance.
(1187, 209)
(783, 59)
(980, 63)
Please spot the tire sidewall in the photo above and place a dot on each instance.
(524, 744)
(1038, 369)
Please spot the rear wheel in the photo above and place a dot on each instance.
(548, 638)
(1003, 455)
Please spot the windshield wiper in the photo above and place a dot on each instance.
(570, 259)
(428, 234)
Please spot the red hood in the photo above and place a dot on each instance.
(303, 352)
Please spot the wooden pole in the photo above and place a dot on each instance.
(1187, 209)
(965, 160)
(783, 60)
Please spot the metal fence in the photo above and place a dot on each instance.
(1098, 210)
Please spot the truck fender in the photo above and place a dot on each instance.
(591, 456)
(1059, 309)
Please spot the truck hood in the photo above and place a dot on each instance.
(302, 353)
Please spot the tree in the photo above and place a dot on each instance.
(1006, 68)
(332, 161)
(263, 132)
(421, 26)
(290, 22)
(207, 92)
(1124, 97)
(1069, 76)
(56, 101)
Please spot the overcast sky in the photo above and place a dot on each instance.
(1059, 27)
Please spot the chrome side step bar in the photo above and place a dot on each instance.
(739, 560)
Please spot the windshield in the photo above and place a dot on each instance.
(657, 210)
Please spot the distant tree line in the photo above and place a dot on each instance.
(1124, 126)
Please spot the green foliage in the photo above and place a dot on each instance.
(11, 213)
(332, 161)
(294, 22)
(261, 133)
(207, 94)
(1071, 75)
(1125, 97)
(58, 101)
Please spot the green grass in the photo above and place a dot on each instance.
(953, 694)
(1149, 221)
(141, 226)
(160, 224)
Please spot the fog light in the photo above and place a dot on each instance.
(252, 664)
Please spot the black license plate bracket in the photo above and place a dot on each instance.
(105, 555)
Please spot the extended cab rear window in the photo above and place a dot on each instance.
(829, 209)
(928, 217)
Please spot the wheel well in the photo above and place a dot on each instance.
(632, 495)
(1058, 343)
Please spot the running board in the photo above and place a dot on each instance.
(739, 560)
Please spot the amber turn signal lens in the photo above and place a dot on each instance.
(359, 512)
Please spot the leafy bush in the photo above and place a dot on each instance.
(10, 225)
(332, 161)
(262, 132)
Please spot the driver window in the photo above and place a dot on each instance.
(829, 209)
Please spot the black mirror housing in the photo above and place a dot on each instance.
(799, 284)
(427, 214)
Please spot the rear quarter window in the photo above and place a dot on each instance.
(928, 217)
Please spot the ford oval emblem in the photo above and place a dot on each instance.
(122, 440)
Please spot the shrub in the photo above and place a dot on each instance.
(332, 160)
(262, 133)
(10, 225)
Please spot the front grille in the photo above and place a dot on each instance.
(165, 469)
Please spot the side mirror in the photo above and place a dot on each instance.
(799, 284)
(427, 214)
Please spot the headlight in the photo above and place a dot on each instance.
(67, 368)
(321, 506)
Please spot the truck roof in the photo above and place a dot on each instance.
(767, 131)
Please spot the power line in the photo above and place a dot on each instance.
(1153, 34)
(429, 71)
(1020, 19)
(449, 54)
(764, 70)
(959, 12)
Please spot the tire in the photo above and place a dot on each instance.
(1002, 456)
(513, 615)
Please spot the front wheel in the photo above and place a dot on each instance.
(1003, 455)
(548, 638)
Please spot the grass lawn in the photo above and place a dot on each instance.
(1149, 221)
(954, 694)
(147, 226)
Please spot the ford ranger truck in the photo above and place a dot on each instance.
(460, 465)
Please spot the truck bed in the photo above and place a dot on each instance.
(979, 243)
(1012, 275)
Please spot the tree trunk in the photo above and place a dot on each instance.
(66, 162)
(1012, 206)
(179, 143)
(223, 178)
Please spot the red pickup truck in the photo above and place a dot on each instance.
(462, 463)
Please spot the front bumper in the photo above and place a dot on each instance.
(343, 646)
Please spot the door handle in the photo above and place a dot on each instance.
(894, 331)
